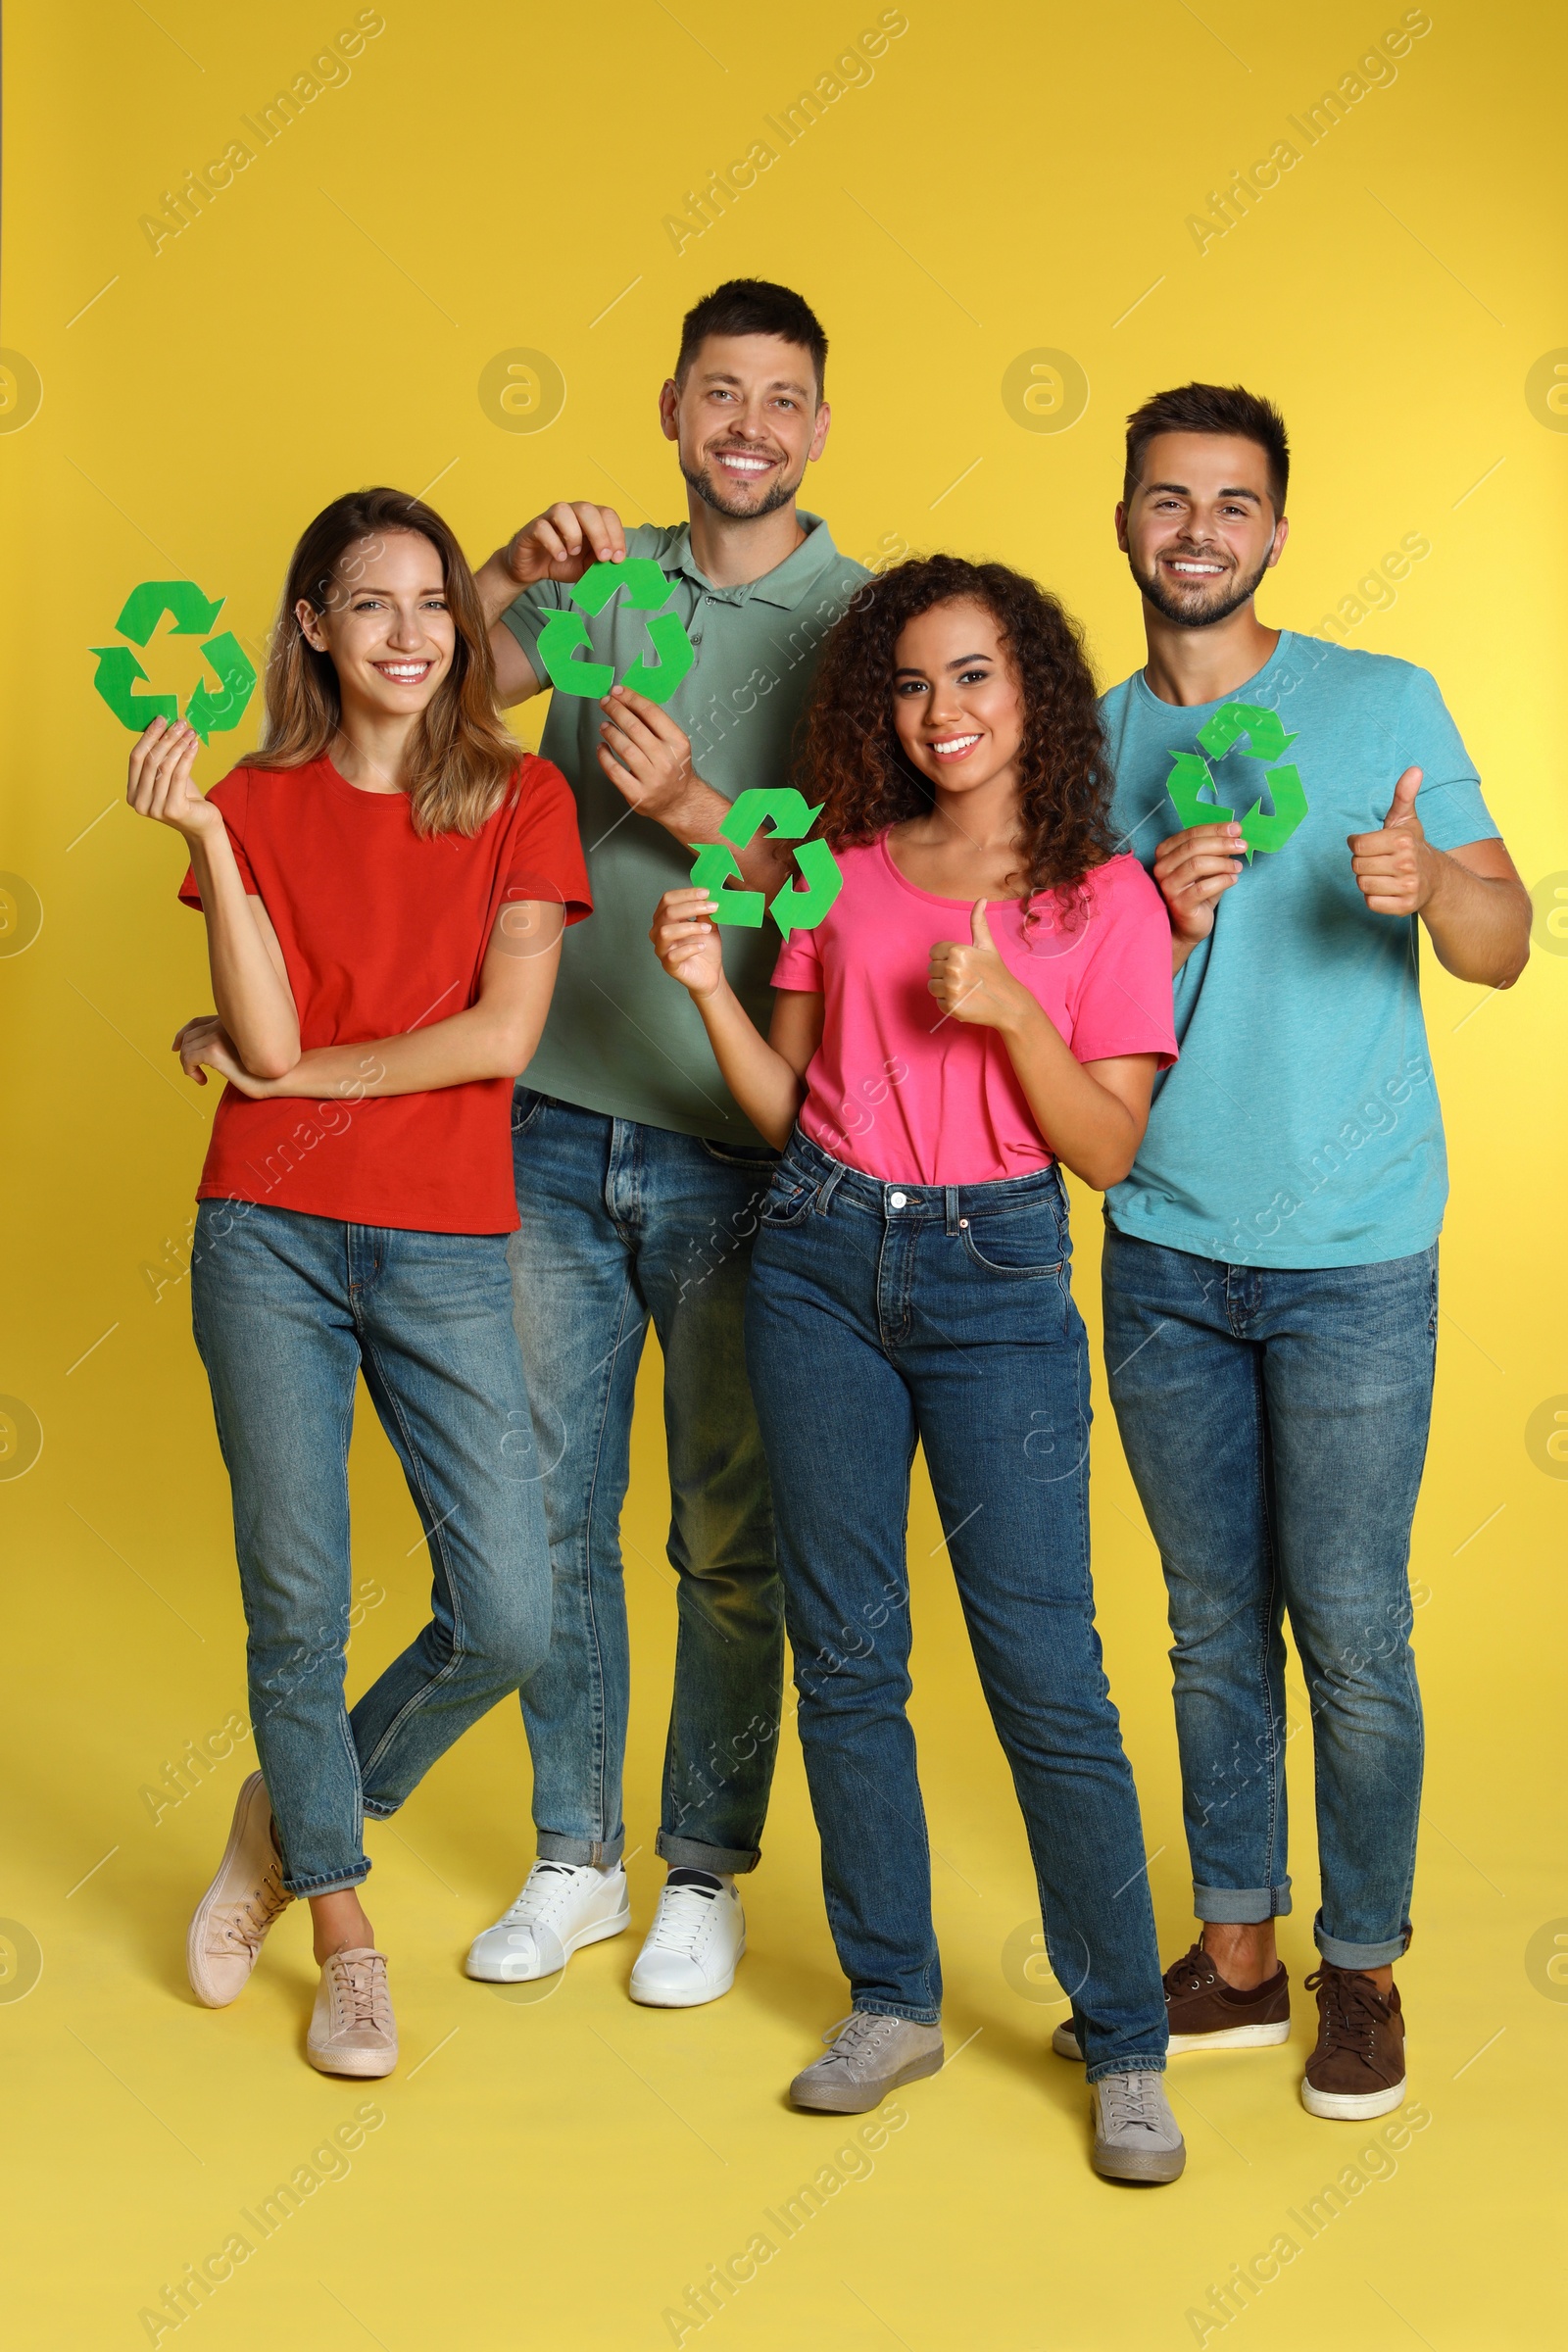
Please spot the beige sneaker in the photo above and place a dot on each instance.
(352, 2031)
(234, 1916)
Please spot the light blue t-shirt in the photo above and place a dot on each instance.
(1300, 1126)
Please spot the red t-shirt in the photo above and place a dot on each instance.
(383, 932)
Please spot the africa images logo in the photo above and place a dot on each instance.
(1190, 776)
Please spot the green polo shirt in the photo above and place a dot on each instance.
(623, 1038)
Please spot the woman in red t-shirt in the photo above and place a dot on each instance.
(384, 885)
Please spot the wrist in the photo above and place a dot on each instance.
(1434, 874)
(498, 584)
(1022, 1016)
(200, 832)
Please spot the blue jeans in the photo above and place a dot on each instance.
(881, 1315)
(1276, 1426)
(288, 1310)
(624, 1224)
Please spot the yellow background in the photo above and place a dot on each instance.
(1013, 177)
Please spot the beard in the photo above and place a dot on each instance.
(1197, 608)
(718, 496)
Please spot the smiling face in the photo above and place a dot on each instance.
(958, 708)
(1200, 530)
(748, 423)
(387, 627)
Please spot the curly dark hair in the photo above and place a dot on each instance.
(850, 756)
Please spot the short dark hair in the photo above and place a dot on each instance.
(753, 306)
(1211, 409)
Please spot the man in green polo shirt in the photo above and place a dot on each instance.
(638, 1177)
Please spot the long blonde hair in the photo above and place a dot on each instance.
(459, 757)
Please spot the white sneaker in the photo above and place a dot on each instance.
(689, 1953)
(561, 1908)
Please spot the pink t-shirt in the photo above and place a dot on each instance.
(906, 1095)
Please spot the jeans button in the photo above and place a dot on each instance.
(898, 1199)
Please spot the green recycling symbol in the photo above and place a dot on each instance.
(565, 635)
(792, 909)
(1266, 739)
(194, 615)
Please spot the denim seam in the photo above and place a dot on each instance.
(345, 1726)
(1272, 1598)
(436, 1540)
(599, 1712)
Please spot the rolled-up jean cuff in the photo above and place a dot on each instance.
(376, 1808)
(324, 1882)
(1154, 2064)
(1240, 1906)
(689, 1853)
(1359, 1955)
(603, 1853)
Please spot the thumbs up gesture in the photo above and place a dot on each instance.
(1396, 868)
(971, 983)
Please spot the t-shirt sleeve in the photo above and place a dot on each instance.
(230, 795)
(1124, 1004)
(799, 963)
(1449, 803)
(545, 858)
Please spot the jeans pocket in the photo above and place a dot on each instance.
(756, 1156)
(789, 1201)
(1022, 1244)
(526, 1104)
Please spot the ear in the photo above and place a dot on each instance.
(310, 622)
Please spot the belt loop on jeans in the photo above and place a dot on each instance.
(829, 1187)
(949, 1206)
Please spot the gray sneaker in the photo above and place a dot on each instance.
(1136, 2135)
(867, 2057)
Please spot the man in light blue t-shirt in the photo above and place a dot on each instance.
(1270, 1268)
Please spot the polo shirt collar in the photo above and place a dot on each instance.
(787, 585)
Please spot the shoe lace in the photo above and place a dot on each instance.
(544, 1895)
(683, 1913)
(860, 2030)
(1351, 2006)
(1131, 2102)
(1191, 1972)
(242, 1926)
(361, 1990)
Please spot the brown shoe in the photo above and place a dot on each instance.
(1358, 2068)
(1204, 2013)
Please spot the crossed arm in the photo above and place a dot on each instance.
(253, 1039)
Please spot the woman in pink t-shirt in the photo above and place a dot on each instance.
(989, 995)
